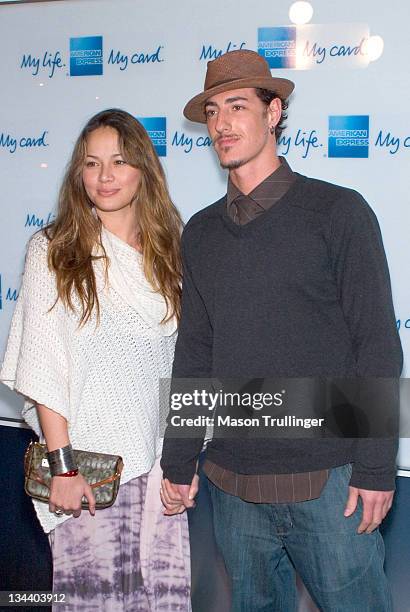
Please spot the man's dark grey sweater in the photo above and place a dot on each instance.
(313, 274)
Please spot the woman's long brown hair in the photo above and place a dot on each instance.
(76, 229)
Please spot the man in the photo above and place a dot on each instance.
(285, 276)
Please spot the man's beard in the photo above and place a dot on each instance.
(232, 165)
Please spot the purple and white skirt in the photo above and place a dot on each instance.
(127, 558)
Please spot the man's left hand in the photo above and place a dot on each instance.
(376, 505)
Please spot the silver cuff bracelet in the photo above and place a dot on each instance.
(62, 460)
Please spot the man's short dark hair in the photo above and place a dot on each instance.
(267, 96)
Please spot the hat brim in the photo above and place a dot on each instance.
(194, 110)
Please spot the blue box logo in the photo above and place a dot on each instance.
(86, 56)
(157, 131)
(278, 46)
(348, 136)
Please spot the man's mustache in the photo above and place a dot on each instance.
(217, 138)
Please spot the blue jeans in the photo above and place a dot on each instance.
(263, 544)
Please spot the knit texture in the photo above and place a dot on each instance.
(103, 379)
(301, 291)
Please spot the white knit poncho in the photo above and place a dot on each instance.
(104, 379)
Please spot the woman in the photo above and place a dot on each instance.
(93, 332)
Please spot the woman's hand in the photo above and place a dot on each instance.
(177, 498)
(67, 492)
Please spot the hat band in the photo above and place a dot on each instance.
(217, 83)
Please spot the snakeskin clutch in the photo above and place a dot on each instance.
(101, 471)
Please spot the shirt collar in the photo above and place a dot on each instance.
(273, 184)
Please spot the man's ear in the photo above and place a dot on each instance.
(274, 112)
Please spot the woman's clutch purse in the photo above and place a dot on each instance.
(101, 471)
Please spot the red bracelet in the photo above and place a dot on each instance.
(69, 474)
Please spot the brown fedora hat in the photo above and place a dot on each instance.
(235, 70)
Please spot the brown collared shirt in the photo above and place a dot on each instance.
(245, 208)
(264, 488)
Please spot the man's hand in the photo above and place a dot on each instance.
(176, 497)
(376, 505)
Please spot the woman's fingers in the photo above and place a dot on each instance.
(88, 493)
(67, 493)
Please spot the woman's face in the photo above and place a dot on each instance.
(110, 183)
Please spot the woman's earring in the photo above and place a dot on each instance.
(272, 129)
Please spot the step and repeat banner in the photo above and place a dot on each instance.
(61, 62)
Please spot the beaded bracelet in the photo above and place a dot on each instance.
(69, 474)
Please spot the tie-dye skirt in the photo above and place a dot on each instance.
(127, 558)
